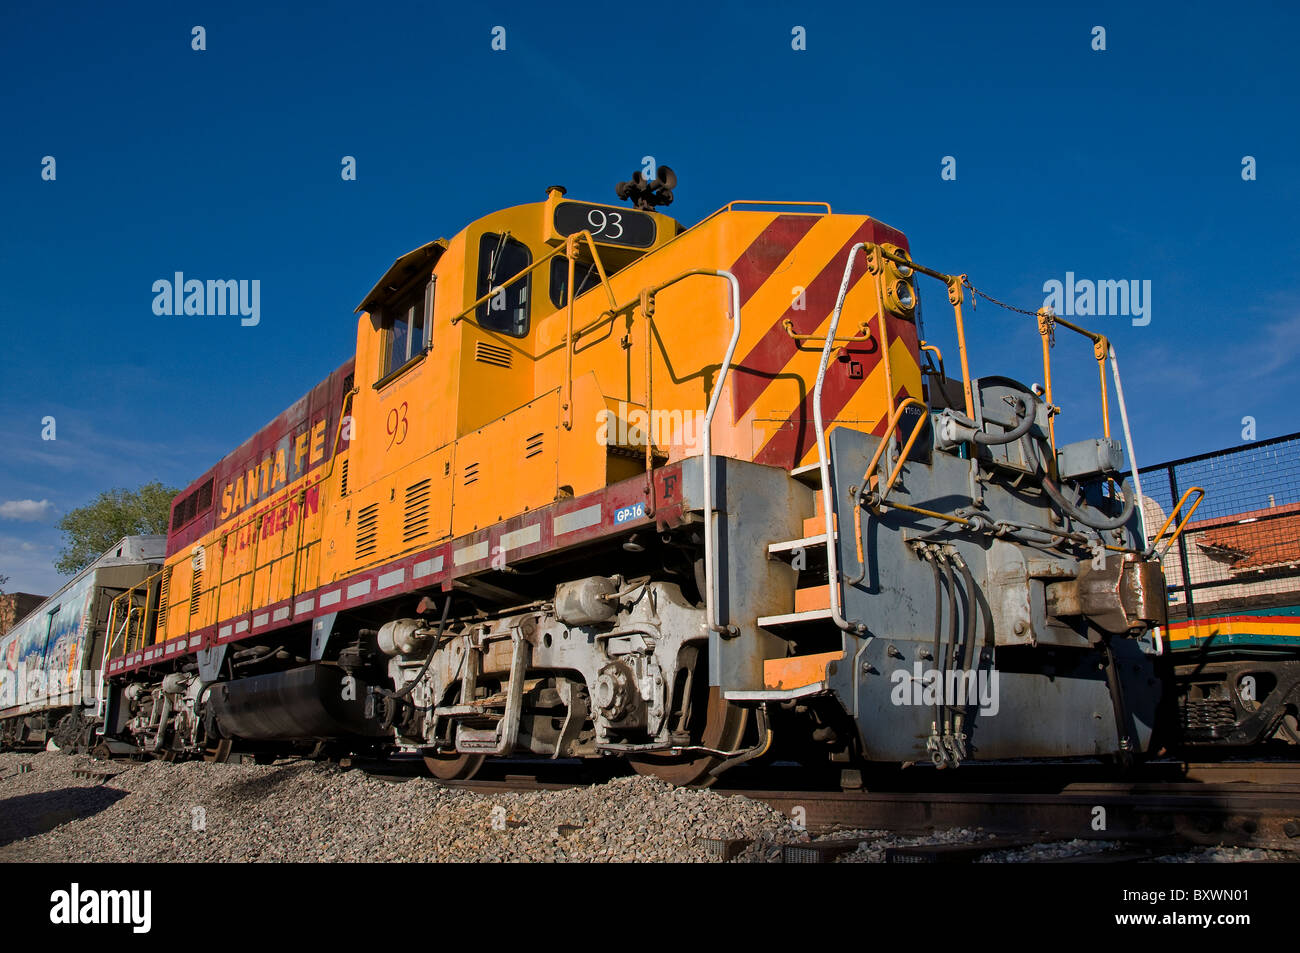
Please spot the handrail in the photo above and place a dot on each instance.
(885, 440)
(730, 206)
(864, 333)
(1047, 322)
(645, 299)
(710, 543)
(877, 271)
(927, 346)
(1103, 349)
(570, 252)
(1154, 546)
(823, 463)
(955, 297)
(595, 254)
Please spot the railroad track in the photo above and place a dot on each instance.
(1165, 807)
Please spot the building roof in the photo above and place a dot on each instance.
(1252, 541)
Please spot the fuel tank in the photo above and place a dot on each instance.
(312, 702)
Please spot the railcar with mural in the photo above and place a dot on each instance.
(50, 672)
(594, 484)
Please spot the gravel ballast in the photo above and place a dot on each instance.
(317, 811)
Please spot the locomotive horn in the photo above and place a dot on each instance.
(645, 194)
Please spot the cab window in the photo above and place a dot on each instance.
(405, 325)
(585, 276)
(500, 257)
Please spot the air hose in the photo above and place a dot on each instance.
(1020, 429)
(1096, 522)
(938, 622)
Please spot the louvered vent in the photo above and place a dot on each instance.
(533, 445)
(164, 590)
(471, 473)
(492, 354)
(196, 587)
(343, 479)
(416, 521)
(367, 531)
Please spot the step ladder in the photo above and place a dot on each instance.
(803, 673)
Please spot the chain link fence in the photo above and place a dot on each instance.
(1241, 549)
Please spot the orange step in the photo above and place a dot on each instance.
(814, 597)
(787, 673)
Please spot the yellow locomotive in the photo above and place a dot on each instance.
(596, 484)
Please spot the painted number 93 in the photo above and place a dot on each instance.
(608, 224)
(397, 425)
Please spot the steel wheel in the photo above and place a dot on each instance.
(454, 767)
(723, 729)
(218, 752)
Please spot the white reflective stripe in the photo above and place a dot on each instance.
(578, 519)
(331, 597)
(358, 589)
(521, 537)
(470, 554)
(261, 618)
(304, 605)
(195, 640)
(280, 613)
(392, 578)
(241, 625)
(428, 567)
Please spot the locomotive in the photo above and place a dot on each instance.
(599, 485)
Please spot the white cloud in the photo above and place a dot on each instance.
(27, 511)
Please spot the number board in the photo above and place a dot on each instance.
(609, 226)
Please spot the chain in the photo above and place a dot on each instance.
(1049, 317)
(1000, 304)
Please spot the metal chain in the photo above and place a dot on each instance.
(1000, 304)
(1051, 318)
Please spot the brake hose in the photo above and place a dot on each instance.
(1020, 429)
(938, 621)
(1096, 522)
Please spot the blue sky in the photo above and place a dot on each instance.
(1117, 164)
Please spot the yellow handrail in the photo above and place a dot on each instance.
(1155, 543)
(864, 333)
(870, 473)
(561, 249)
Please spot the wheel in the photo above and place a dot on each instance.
(723, 729)
(217, 751)
(66, 731)
(454, 767)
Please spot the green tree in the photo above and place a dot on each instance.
(89, 530)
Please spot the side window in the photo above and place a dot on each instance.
(585, 276)
(406, 325)
(500, 257)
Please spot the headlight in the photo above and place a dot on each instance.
(903, 293)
